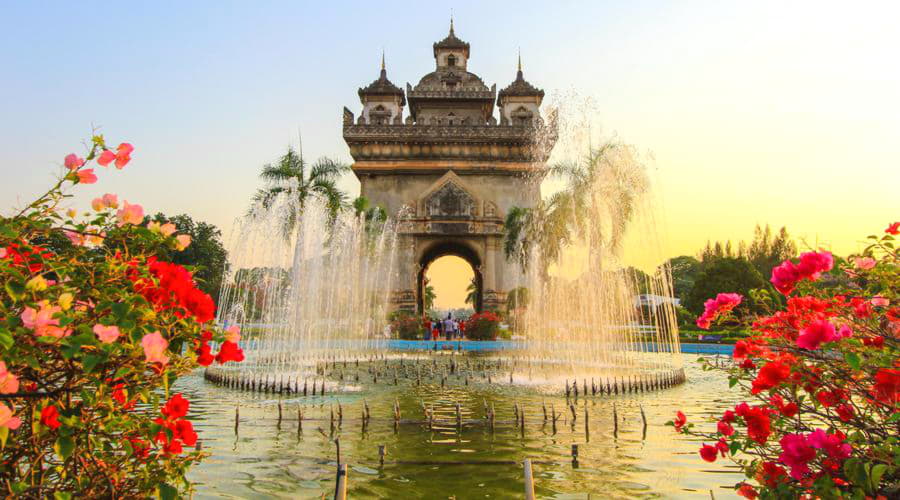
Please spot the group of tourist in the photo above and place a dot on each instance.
(448, 328)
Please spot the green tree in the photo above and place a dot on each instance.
(205, 253)
(724, 275)
(766, 251)
(429, 297)
(472, 292)
(320, 178)
(599, 184)
(685, 270)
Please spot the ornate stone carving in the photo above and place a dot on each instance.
(348, 117)
(490, 209)
(450, 201)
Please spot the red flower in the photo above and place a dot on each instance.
(757, 421)
(204, 355)
(139, 447)
(845, 412)
(769, 376)
(722, 446)
(876, 341)
(173, 447)
(747, 491)
(830, 398)
(176, 407)
(893, 228)
(887, 386)
(771, 474)
(184, 430)
(724, 428)
(49, 417)
(229, 351)
(728, 416)
(680, 420)
(709, 453)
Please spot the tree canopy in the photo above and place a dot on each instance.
(723, 275)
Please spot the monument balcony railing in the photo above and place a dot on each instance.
(425, 132)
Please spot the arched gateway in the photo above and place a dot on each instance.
(449, 169)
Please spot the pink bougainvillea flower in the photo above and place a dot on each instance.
(8, 382)
(812, 264)
(7, 419)
(86, 176)
(97, 204)
(864, 263)
(816, 333)
(880, 301)
(72, 161)
(130, 214)
(105, 158)
(845, 332)
(77, 239)
(155, 348)
(182, 241)
(893, 228)
(122, 155)
(713, 308)
(796, 454)
(832, 444)
(233, 334)
(42, 321)
(111, 200)
(107, 334)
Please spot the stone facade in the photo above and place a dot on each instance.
(450, 170)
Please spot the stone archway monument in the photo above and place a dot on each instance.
(450, 170)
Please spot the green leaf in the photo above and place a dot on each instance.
(120, 309)
(732, 381)
(4, 433)
(894, 418)
(64, 447)
(852, 359)
(15, 290)
(167, 492)
(91, 361)
(6, 339)
(62, 495)
(877, 471)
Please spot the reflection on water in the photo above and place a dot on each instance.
(470, 461)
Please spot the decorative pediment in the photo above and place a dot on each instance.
(449, 198)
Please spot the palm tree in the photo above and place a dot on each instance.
(604, 187)
(429, 297)
(472, 295)
(320, 179)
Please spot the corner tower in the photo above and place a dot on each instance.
(450, 170)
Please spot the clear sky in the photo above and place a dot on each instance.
(778, 112)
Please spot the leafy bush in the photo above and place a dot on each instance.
(823, 382)
(91, 325)
(482, 326)
(407, 326)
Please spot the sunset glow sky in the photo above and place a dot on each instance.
(785, 113)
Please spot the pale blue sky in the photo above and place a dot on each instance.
(755, 112)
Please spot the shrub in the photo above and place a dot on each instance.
(822, 381)
(407, 327)
(482, 326)
(91, 325)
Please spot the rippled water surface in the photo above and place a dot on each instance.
(265, 460)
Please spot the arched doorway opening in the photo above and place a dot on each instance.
(444, 249)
